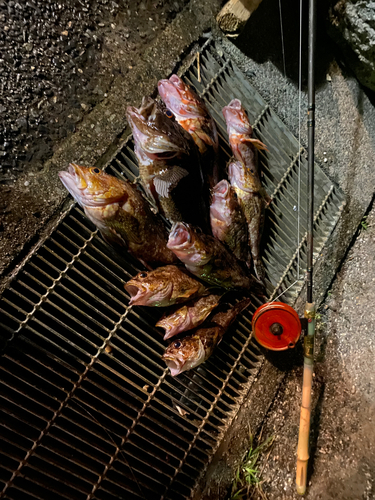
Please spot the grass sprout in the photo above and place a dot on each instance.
(248, 475)
(364, 222)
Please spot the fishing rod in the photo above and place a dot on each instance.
(308, 362)
(276, 325)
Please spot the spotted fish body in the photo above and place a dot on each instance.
(120, 212)
(207, 258)
(228, 222)
(193, 350)
(169, 165)
(243, 174)
(188, 316)
(192, 114)
(162, 287)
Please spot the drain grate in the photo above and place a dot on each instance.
(88, 408)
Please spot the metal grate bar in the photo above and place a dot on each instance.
(69, 395)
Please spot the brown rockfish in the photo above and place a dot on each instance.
(120, 212)
(188, 316)
(163, 287)
(169, 164)
(244, 176)
(228, 222)
(192, 114)
(208, 258)
(187, 353)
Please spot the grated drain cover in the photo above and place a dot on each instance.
(88, 407)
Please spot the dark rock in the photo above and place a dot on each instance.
(352, 27)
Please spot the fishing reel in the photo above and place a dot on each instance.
(276, 326)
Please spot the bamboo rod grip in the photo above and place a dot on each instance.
(304, 430)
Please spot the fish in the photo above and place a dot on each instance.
(244, 147)
(191, 351)
(169, 165)
(120, 212)
(188, 316)
(162, 287)
(207, 258)
(253, 205)
(243, 174)
(228, 222)
(192, 114)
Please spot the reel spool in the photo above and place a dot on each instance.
(276, 326)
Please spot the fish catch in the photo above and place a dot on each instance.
(244, 177)
(192, 114)
(228, 222)
(206, 257)
(163, 287)
(169, 165)
(187, 353)
(188, 316)
(120, 212)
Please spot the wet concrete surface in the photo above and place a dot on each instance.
(342, 463)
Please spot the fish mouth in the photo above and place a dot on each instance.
(174, 365)
(74, 182)
(179, 236)
(221, 189)
(136, 294)
(235, 104)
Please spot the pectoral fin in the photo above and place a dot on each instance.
(127, 228)
(190, 291)
(165, 182)
(256, 143)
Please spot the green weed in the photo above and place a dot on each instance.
(248, 475)
(364, 223)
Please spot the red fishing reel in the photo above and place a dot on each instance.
(276, 326)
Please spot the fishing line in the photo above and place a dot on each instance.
(282, 37)
(299, 136)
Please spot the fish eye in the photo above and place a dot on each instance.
(177, 344)
(142, 275)
(95, 170)
(168, 113)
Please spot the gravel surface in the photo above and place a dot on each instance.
(57, 60)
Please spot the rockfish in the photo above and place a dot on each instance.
(206, 257)
(188, 316)
(163, 287)
(187, 353)
(192, 114)
(169, 165)
(244, 176)
(120, 212)
(228, 222)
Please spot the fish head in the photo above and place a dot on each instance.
(155, 131)
(150, 288)
(185, 245)
(237, 119)
(91, 187)
(243, 177)
(185, 354)
(180, 99)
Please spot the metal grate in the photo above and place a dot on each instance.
(88, 407)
